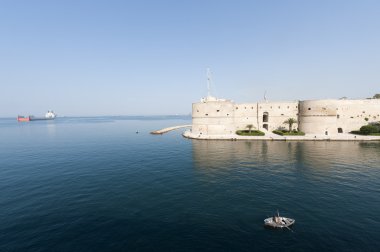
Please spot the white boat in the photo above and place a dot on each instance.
(278, 221)
(50, 115)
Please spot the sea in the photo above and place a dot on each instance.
(107, 184)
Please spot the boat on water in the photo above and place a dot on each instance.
(278, 221)
(50, 115)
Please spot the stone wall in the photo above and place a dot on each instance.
(223, 117)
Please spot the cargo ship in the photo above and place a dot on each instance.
(50, 115)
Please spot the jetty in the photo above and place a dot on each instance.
(165, 130)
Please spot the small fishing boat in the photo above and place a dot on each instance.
(278, 221)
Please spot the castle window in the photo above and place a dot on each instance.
(340, 130)
(337, 116)
(282, 114)
(309, 109)
(279, 107)
(206, 114)
(296, 106)
(217, 110)
(251, 107)
(237, 107)
(265, 117)
(245, 107)
(270, 106)
(228, 114)
(363, 111)
(288, 106)
(197, 110)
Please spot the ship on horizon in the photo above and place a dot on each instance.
(50, 115)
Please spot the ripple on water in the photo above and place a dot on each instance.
(97, 186)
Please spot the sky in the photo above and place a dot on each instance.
(149, 57)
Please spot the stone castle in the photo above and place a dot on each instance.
(212, 116)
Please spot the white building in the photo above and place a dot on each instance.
(212, 116)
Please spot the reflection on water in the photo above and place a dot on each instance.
(320, 155)
(51, 129)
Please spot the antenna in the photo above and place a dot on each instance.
(208, 81)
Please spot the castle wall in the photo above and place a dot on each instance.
(213, 118)
(330, 117)
(333, 117)
(245, 114)
(271, 115)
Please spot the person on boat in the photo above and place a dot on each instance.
(276, 219)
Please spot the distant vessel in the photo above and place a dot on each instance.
(50, 115)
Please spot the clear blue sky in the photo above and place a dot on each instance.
(150, 57)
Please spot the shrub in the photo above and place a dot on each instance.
(252, 133)
(278, 132)
(287, 133)
(369, 129)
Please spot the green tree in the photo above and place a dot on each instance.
(290, 122)
(250, 126)
(376, 96)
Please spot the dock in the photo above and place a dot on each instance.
(165, 130)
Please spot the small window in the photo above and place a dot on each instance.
(237, 107)
(288, 106)
(282, 114)
(363, 112)
(337, 116)
(296, 106)
(245, 107)
(197, 110)
(279, 107)
(206, 114)
(217, 110)
(340, 130)
(228, 114)
(309, 109)
(251, 107)
(270, 106)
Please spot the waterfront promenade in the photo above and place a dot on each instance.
(162, 131)
(274, 137)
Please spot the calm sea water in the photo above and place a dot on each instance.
(93, 184)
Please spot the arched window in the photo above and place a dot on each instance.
(265, 126)
(340, 130)
(265, 117)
